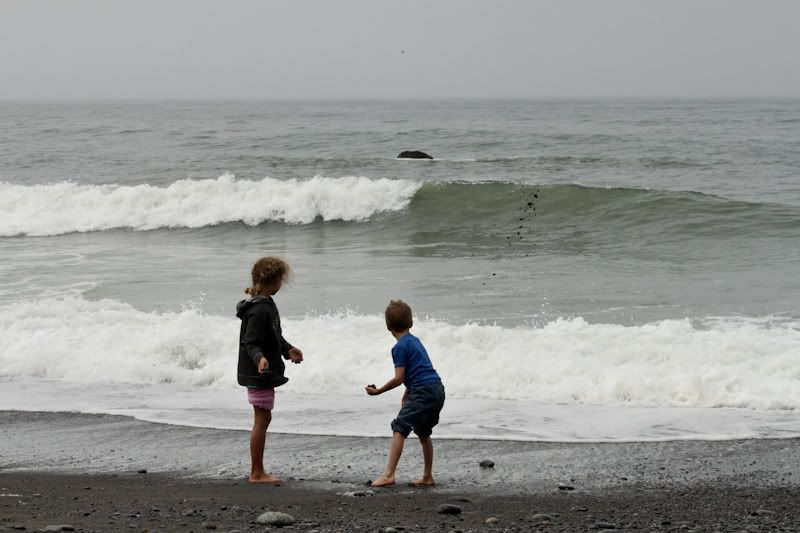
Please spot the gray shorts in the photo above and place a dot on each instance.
(421, 410)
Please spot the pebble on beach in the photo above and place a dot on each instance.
(448, 508)
(605, 525)
(487, 463)
(541, 517)
(275, 518)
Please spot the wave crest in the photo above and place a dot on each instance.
(57, 209)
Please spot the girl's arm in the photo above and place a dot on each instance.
(285, 347)
(252, 340)
(287, 350)
(396, 381)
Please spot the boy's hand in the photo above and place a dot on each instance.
(296, 355)
(371, 390)
(263, 365)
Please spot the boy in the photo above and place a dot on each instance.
(422, 400)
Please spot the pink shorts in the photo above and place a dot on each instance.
(263, 398)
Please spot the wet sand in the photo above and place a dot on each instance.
(88, 471)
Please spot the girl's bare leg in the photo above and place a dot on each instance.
(387, 478)
(427, 454)
(258, 439)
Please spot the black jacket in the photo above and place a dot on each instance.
(260, 335)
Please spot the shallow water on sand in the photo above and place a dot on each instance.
(579, 270)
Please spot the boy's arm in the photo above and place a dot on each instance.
(396, 381)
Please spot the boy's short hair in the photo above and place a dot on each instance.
(398, 316)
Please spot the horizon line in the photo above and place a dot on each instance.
(228, 99)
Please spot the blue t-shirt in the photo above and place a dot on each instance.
(410, 353)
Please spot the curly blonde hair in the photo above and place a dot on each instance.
(266, 272)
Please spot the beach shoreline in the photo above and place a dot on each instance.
(81, 469)
(160, 502)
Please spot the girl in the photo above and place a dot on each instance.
(261, 345)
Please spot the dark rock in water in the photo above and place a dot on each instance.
(487, 463)
(413, 154)
(448, 508)
(141, 471)
(564, 486)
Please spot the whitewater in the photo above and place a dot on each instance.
(59, 208)
(730, 378)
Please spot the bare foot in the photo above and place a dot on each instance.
(263, 477)
(423, 482)
(382, 481)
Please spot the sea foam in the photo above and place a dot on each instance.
(713, 363)
(56, 209)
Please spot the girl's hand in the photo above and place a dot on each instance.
(263, 365)
(296, 355)
(371, 390)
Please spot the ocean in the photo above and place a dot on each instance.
(611, 270)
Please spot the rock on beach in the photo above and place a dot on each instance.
(275, 518)
(448, 508)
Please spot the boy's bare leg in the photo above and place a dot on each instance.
(387, 478)
(427, 454)
(258, 439)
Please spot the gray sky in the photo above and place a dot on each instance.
(110, 49)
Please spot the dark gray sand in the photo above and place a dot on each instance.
(83, 471)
